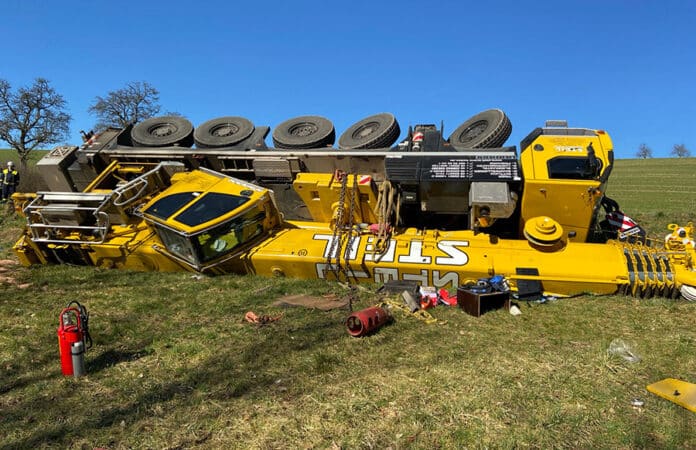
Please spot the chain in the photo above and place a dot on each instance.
(351, 237)
(349, 226)
(335, 248)
(420, 314)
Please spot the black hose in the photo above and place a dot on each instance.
(84, 320)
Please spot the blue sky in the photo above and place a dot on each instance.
(626, 66)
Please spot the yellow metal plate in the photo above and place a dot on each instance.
(677, 391)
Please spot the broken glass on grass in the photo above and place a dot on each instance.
(624, 349)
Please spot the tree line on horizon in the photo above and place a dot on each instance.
(35, 116)
(32, 117)
(678, 151)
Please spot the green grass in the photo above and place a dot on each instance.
(656, 191)
(11, 155)
(175, 366)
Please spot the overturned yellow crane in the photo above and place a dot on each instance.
(439, 217)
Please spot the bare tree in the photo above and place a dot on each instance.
(644, 151)
(32, 117)
(137, 101)
(680, 151)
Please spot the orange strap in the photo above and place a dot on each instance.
(251, 317)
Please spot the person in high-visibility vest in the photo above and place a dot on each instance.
(10, 180)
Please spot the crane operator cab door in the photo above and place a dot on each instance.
(565, 172)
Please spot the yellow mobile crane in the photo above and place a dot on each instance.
(436, 211)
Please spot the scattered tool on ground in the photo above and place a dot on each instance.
(263, 319)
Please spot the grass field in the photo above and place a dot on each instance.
(175, 366)
(657, 190)
(11, 155)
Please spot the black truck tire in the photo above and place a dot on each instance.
(222, 132)
(378, 131)
(304, 132)
(487, 129)
(163, 131)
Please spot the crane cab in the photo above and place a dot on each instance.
(565, 171)
(205, 219)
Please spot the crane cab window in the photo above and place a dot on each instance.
(228, 236)
(210, 206)
(574, 168)
(214, 242)
(203, 207)
(165, 207)
(177, 244)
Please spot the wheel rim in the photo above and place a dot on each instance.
(365, 130)
(224, 130)
(162, 130)
(473, 131)
(303, 129)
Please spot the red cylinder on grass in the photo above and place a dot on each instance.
(69, 332)
(366, 321)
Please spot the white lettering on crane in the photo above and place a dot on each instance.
(445, 279)
(354, 245)
(569, 148)
(422, 277)
(323, 269)
(456, 257)
(324, 237)
(384, 274)
(415, 254)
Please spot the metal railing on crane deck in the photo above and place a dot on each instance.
(86, 217)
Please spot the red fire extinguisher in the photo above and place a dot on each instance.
(73, 328)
